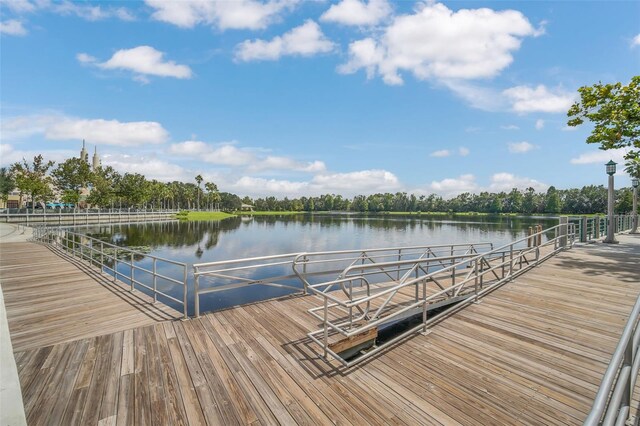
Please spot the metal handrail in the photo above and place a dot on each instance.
(595, 227)
(93, 250)
(82, 216)
(612, 402)
(240, 271)
(510, 263)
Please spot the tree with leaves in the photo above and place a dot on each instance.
(199, 180)
(7, 184)
(104, 181)
(614, 110)
(32, 179)
(70, 177)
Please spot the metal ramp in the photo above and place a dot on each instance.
(363, 293)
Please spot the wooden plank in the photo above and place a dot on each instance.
(353, 341)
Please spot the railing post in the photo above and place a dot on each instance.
(424, 306)
(155, 282)
(596, 227)
(132, 275)
(115, 264)
(185, 292)
(101, 256)
(564, 223)
(583, 229)
(196, 289)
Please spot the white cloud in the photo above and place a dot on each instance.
(510, 127)
(229, 154)
(520, 147)
(85, 11)
(436, 42)
(10, 154)
(508, 181)
(600, 156)
(635, 41)
(539, 99)
(463, 152)
(441, 153)
(539, 124)
(260, 186)
(357, 12)
(99, 131)
(451, 187)
(12, 27)
(18, 6)
(142, 60)
(84, 58)
(364, 181)
(567, 128)
(90, 12)
(305, 40)
(149, 166)
(236, 14)
(347, 184)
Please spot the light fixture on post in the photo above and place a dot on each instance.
(611, 227)
(635, 182)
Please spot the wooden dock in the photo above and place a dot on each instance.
(532, 352)
(51, 298)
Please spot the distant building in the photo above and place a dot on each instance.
(15, 200)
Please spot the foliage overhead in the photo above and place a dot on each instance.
(614, 110)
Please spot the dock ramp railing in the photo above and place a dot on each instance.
(612, 403)
(351, 317)
(300, 271)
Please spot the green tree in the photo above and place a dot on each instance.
(7, 183)
(199, 180)
(553, 203)
(133, 188)
(614, 110)
(104, 181)
(70, 177)
(214, 196)
(32, 179)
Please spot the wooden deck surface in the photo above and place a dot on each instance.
(53, 299)
(532, 352)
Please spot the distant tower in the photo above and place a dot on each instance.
(84, 155)
(96, 159)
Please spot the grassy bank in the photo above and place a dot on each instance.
(203, 215)
(256, 213)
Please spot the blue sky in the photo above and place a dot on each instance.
(291, 98)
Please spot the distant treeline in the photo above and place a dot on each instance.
(587, 200)
(74, 181)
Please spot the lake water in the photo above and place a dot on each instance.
(239, 237)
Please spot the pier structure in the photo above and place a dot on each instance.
(533, 350)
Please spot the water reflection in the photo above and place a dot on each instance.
(238, 237)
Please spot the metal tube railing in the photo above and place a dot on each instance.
(611, 405)
(469, 288)
(308, 265)
(93, 250)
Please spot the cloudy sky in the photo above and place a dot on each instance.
(290, 97)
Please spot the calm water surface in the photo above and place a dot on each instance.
(198, 242)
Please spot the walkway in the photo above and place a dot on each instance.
(51, 298)
(532, 352)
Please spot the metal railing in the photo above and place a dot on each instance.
(353, 312)
(612, 403)
(297, 271)
(84, 216)
(110, 257)
(591, 228)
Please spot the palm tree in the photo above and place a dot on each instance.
(199, 181)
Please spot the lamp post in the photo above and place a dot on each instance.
(634, 183)
(611, 239)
